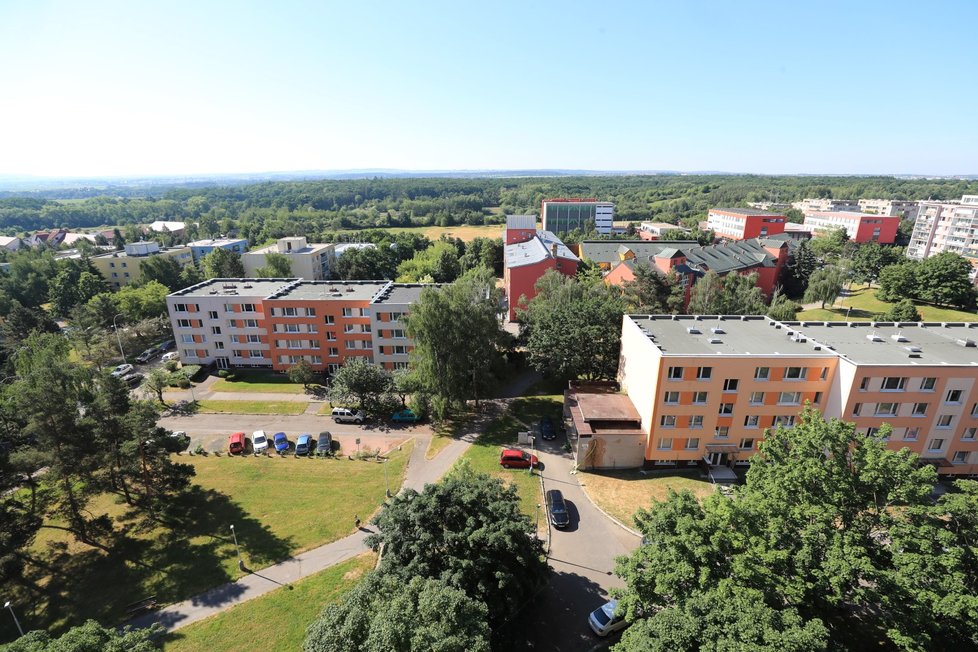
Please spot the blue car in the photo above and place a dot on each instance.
(281, 442)
(547, 431)
(405, 416)
(304, 444)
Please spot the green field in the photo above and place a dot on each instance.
(464, 232)
(275, 621)
(222, 385)
(252, 407)
(279, 506)
(621, 493)
(862, 305)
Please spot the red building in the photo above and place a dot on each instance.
(529, 254)
(744, 223)
(860, 227)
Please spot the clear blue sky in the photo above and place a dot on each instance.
(133, 88)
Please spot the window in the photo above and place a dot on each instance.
(347, 312)
(310, 312)
(675, 373)
(864, 384)
(944, 421)
(330, 336)
(671, 398)
(789, 398)
(215, 330)
(762, 373)
(251, 323)
(333, 352)
(696, 421)
(248, 307)
(188, 353)
(699, 398)
(668, 421)
(974, 410)
(291, 328)
(856, 409)
(219, 345)
(229, 308)
(254, 339)
(692, 443)
(954, 396)
(751, 421)
(722, 432)
(397, 334)
(969, 434)
(212, 314)
(704, 373)
(726, 408)
(746, 444)
(795, 373)
(935, 445)
(757, 398)
(894, 384)
(349, 328)
(919, 410)
(824, 374)
(178, 307)
(818, 398)
(187, 339)
(788, 421)
(329, 319)
(886, 409)
(183, 323)
(911, 434)
(730, 385)
(664, 444)
(290, 312)
(928, 384)
(875, 432)
(256, 353)
(960, 457)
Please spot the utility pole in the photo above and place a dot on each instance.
(241, 565)
(118, 338)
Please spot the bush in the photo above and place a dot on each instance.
(200, 450)
(183, 382)
(223, 373)
(171, 365)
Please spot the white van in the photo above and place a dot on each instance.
(346, 415)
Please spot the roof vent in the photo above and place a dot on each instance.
(248, 286)
(873, 337)
(817, 347)
(349, 289)
(967, 343)
(913, 348)
(716, 330)
(898, 337)
(715, 340)
(799, 338)
(692, 330)
(913, 355)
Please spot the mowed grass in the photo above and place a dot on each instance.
(275, 621)
(621, 493)
(446, 431)
(464, 232)
(862, 305)
(279, 507)
(251, 407)
(223, 385)
(483, 455)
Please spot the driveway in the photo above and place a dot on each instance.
(582, 557)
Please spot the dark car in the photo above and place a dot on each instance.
(133, 379)
(147, 355)
(324, 446)
(547, 431)
(304, 444)
(557, 509)
(281, 442)
(167, 346)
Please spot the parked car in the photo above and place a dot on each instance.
(147, 355)
(325, 444)
(346, 415)
(236, 443)
(514, 458)
(123, 370)
(167, 345)
(172, 355)
(133, 379)
(281, 442)
(259, 441)
(557, 509)
(547, 430)
(604, 621)
(304, 444)
(405, 416)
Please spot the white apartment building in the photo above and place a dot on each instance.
(309, 261)
(812, 205)
(907, 209)
(945, 226)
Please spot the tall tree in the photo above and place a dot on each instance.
(870, 258)
(898, 281)
(367, 385)
(903, 310)
(223, 263)
(276, 266)
(731, 294)
(22, 321)
(143, 301)
(825, 286)
(652, 292)
(945, 280)
(90, 637)
(162, 269)
(706, 297)
(782, 308)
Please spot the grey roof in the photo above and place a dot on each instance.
(721, 258)
(537, 249)
(249, 287)
(215, 242)
(521, 221)
(325, 290)
(855, 215)
(746, 211)
(402, 293)
(308, 249)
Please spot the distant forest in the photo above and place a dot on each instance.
(319, 209)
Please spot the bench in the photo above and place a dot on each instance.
(138, 607)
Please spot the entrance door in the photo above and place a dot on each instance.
(716, 459)
(222, 363)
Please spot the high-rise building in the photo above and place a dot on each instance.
(945, 226)
(563, 215)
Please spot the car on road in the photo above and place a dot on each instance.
(324, 446)
(281, 442)
(346, 415)
(172, 355)
(604, 621)
(167, 345)
(259, 441)
(147, 355)
(133, 379)
(405, 416)
(514, 458)
(547, 430)
(304, 444)
(236, 443)
(557, 509)
(123, 370)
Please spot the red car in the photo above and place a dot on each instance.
(513, 458)
(236, 443)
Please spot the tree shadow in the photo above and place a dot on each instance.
(556, 618)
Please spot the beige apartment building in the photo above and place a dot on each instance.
(309, 261)
(899, 208)
(120, 268)
(812, 205)
(702, 390)
(945, 226)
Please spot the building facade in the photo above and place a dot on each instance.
(744, 223)
(201, 248)
(655, 230)
(120, 268)
(807, 206)
(308, 261)
(945, 226)
(525, 261)
(563, 215)
(860, 227)
(895, 207)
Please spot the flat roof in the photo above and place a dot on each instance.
(852, 215)
(123, 254)
(308, 249)
(403, 293)
(326, 290)
(606, 407)
(746, 211)
(215, 242)
(251, 287)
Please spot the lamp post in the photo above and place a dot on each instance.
(536, 530)
(7, 605)
(386, 478)
(241, 565)
(118, 338)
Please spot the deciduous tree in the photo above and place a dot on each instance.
(222, 263)
(302, 372)
(825, 286)
(276, 266)
(90, 637)
(367, 385)
(652, 292)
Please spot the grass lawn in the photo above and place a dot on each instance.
(279, 507)
(252, 407)
(275, 621)
(445, 433)
(222, 385)
(621, 493)
(863, 305)
(463, 232)
(483, 455)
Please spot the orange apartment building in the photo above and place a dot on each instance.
(702, 390)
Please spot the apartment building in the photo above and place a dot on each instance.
(705, 388)
(899, 208)
(860, 227)
(525, 261)
(308, 261)
(744, 223)
(807, 206)
(945, 226)
(391, 344)
(200, 248)
(121, 268)
(561, 215)
(655, 230)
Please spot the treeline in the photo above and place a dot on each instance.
(317, 209)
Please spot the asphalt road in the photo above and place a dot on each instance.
(582, 557)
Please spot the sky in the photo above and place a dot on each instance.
(93, 88)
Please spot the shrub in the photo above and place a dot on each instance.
(171, 365)
(223, 373)
(183, 383)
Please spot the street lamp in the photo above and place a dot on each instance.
(386, 478)
(7, 605)
(241, 565)
(536, 530)
(118, 338)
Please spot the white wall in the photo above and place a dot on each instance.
(638, 370)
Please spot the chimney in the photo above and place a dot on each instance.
(553, 250)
